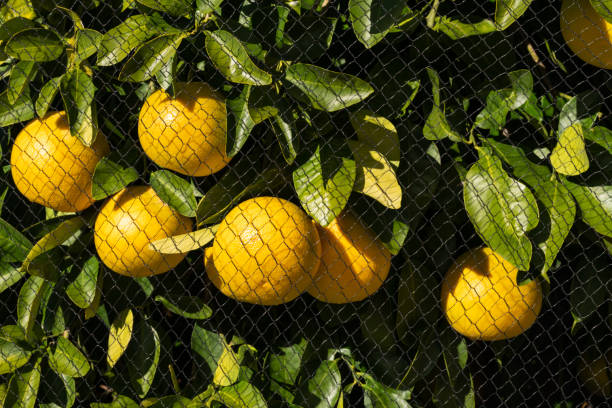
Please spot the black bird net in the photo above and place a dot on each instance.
(306, 203)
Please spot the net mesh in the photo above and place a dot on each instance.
(306, 203)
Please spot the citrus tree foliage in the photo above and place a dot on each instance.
(336, 105)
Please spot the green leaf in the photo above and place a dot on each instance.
(67, 359)
(436, 126)
(282, 127)
(120, 402)
(522, 86)
(378, 132)
(324, 184)
(21, 74)
(175, 191)
(15, 8)
(327, 90)
(166, 75)
(228, 367)
(494, 115)
(9, 275)
(20, 111)
(284, 366)
(119, 336)
(377, 395)
(569, 156)
(603, 8)
(208, 345)
(60, 234)
(173, 401)
(399, 234)
(602, 136)
(28, 303)
(35, 44)
(87, 43)
(508, 11)
(82, 290)
(144, 362)
(118, 42)
(375, 176)
(23, 387)
(554, 196)
(326, 384)
(11, 27)
(456, 29)
(372, 20)
(150, 57)
(46, 95)
(174, 7)
(12, 357)
(204, 7)
(14, 246)
(77, 90)
(231, 58)
(76, 20)
(239, 122)
(110, 177)
(502, 209)
(595, 205)
(240, 395)
(589, 291)
(180, 244)
(241, 180)
(191, 307)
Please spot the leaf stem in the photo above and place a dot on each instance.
(431, 16)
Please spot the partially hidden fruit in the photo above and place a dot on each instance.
(53, 168)
(482, 300)
(266, 251)
(354, 263)
(187, 134)
(128, 222)
(587, 33)
(595, 372)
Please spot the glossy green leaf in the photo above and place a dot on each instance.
(399, 233)
(241, 395)
(375, 176)
(553, 195)
(67, 359)
(327, 90)
(208, 345)
(595, 204)
(172, 401)
(17, 8)
(87, 43)
(35, 44)
(14, 246)
(436, 126)
(174, 7)
(569, 157)
(180, 244)
(228, 367)
(28, 303)
(175, 191)
(119, 336)
(21, 74)
(191, 307)
(284, 366)
(118, 42)
(239, 122)
(77, 90)
(46, 96)
(377, 395)
(508, 11)
(120, 402)
(522, 85)
(456, 29)
(326, 384)
(11, 27)
(12, 357)
(20, 111)
(82, 290)
(150, 57)
(166, 75)
(76, 20)
(144, 362)
(60, 234)
(283, 128)
(23, 387)
(231, 59)
(371, 20)
(9, 275)
(600, 135)
(378, 132)
(603, 8)
(494, 115)
(501, 209)
(324, 184)
(110, 177)
(204, 7)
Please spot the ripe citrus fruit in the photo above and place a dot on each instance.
(128, 222)
(354, 263)
(53, 168)
(587, 33)
(186, 134)
(266, 251)
(482, 300)
(596, 373)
